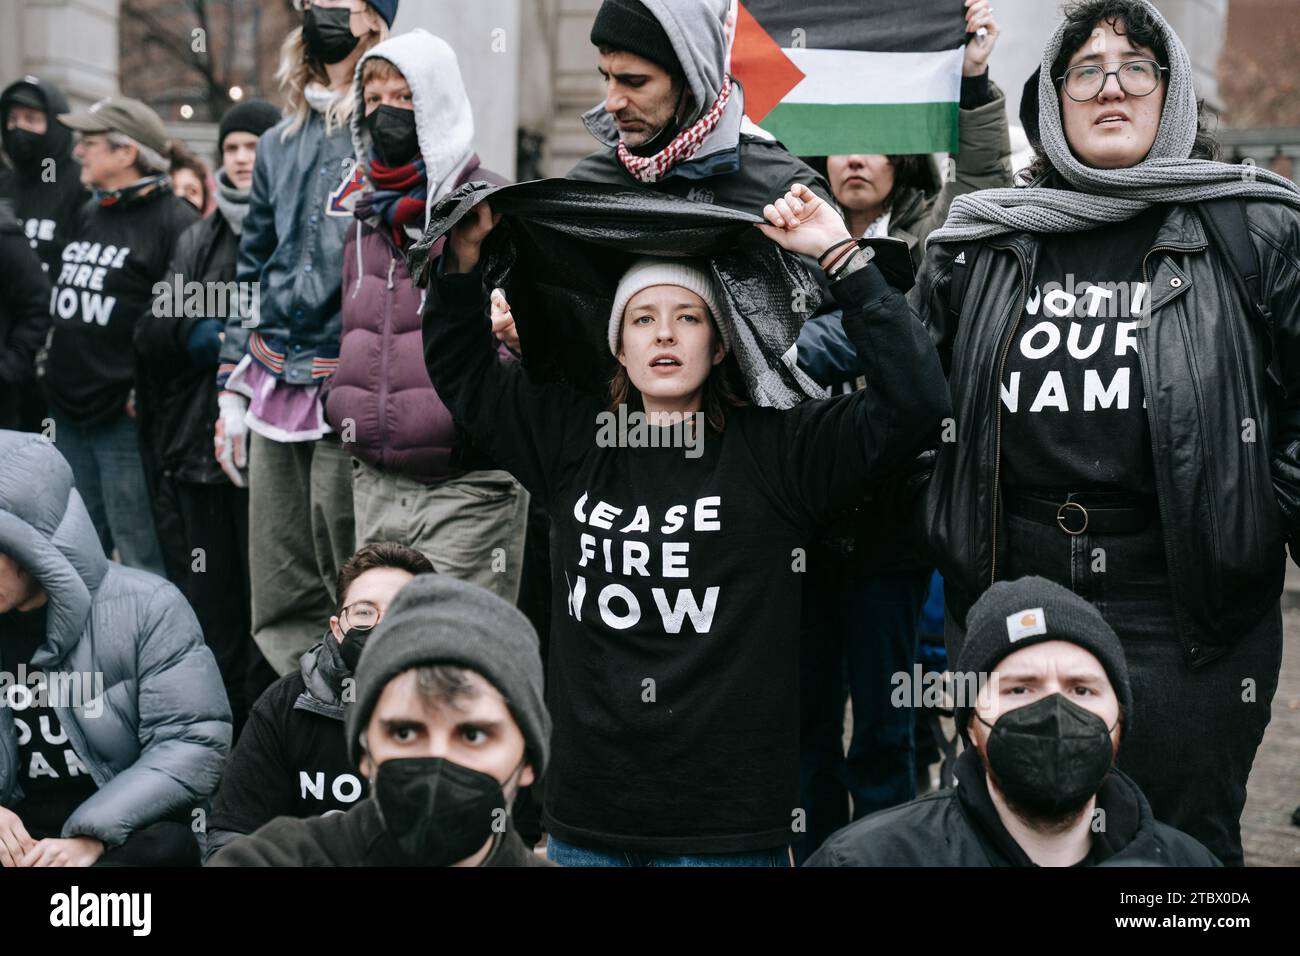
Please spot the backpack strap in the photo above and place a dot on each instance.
(1229, 229)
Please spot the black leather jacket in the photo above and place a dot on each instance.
(1226, 445)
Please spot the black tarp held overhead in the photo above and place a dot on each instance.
(562, 246)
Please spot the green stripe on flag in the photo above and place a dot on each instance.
(816, 129)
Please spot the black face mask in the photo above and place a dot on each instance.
(1050, 757)
(328, 33)
(438, 812)
(394, 134)
(350, 648)
(25, 148)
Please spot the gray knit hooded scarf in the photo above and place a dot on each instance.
(1102, 196)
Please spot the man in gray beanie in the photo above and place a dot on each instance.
(448, 724)
(1036, 785)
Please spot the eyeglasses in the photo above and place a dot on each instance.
(1135, 77)
(89, 141)
(361, 616)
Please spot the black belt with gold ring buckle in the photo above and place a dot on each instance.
(1060, 517)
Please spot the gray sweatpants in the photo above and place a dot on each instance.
(300, 529)
(471, 527)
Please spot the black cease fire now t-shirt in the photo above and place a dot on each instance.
(1073, 405)
(54, 780)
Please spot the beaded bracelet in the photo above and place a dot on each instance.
(857, 259)
(821, 260)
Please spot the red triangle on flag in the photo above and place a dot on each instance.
(758, 62)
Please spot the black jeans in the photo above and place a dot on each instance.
(166, 843)
(214, 518)
(1191, 738)
(857, 632)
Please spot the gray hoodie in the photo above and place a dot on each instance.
(701, 38)
(738, 165)
(152, 724)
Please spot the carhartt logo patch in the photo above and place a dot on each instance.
(1026, 623)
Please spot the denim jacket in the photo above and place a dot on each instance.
(292, 245)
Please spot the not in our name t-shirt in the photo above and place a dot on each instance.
(1073, 404)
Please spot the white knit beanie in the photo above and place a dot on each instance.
(650, 271)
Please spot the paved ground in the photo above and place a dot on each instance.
(1267, 833)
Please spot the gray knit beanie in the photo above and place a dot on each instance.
(436, 619)
(1011, 615)
(651, 271)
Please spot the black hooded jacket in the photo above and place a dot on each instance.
(961, 827)
(24, 317)
(186, 389)
(45, 198)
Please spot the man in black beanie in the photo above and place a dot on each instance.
(1042, 700)
(448, 725)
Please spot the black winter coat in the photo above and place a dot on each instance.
(1229, 495)
(759, 171)
(355, 838)
(24, 316)
(186, 392)
(960, 827)
(46, 201)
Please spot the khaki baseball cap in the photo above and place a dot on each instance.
(120, 114)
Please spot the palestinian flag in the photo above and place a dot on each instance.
(852, 76)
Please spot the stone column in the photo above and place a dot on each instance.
(487, 38)
(72, 43)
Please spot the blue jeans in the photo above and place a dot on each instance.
(109, 475)
(859, 630)
(566, 854)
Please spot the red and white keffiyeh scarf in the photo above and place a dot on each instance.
(650, 169)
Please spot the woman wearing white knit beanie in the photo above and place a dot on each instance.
(1123, 344)
(673, 661)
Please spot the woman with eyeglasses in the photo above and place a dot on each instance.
(291, 759)
(1127, 409)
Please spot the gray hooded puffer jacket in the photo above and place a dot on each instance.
(156, 740)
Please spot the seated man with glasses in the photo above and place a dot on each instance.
(292, 758)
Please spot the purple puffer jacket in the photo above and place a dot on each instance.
(381, 384)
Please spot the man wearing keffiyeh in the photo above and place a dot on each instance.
(673, 117)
